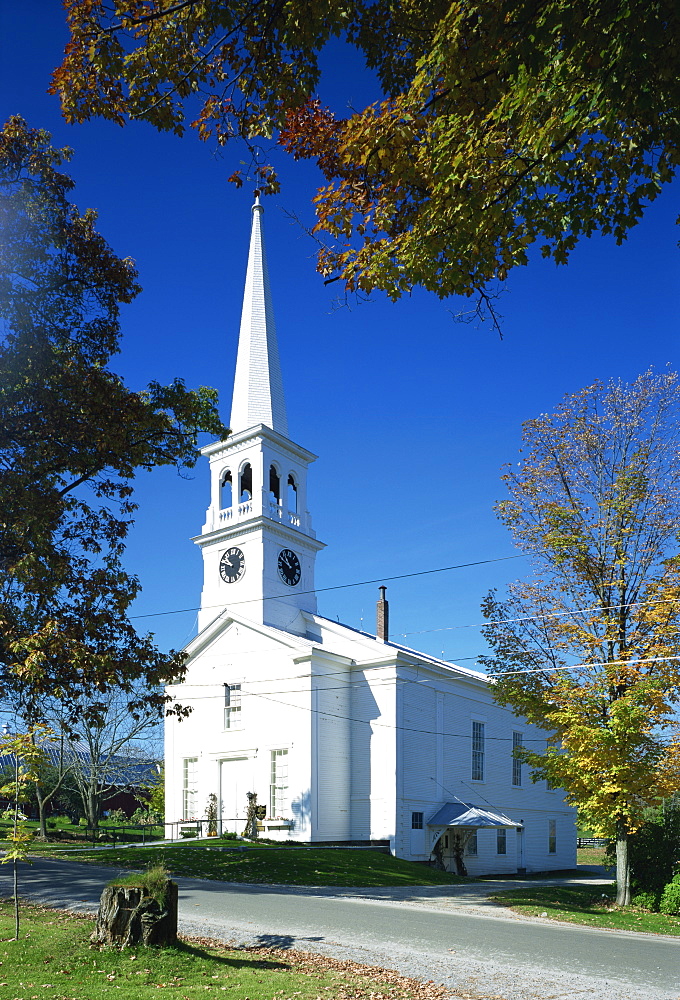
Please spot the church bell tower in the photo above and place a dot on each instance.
(257, 542)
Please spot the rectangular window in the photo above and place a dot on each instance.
(278, 788)
(516, 763)
(232, 706)
(189, 788)
(416, 821)
(471, 845)
(478, 751)
(501, 841)
(552, 836)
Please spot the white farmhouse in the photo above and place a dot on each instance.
(344, 736)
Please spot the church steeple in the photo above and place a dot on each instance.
(258, 387)
(258, 543)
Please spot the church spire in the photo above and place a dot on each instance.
(258, 387)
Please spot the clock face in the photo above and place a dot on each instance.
(232, 565)
(289, 567)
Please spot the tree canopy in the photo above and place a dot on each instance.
(498, 125)
(589, 649)
(72, 437)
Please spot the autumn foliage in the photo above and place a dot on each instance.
(588, 648)
(72, 437)
(498, 126)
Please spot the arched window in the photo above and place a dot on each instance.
(292, 495)
(226, 491)
(245, 490)
(274, 485)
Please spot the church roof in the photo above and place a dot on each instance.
(372, 648)
(258, 387)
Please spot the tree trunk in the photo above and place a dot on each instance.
(42, 821)
(622, 864)
(128, 916)
(15, 874)
(92, 805)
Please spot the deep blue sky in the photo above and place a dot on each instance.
(412, 414)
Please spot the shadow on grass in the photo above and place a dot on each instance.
(249, 962)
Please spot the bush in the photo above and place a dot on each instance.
(655, 848)
(82, 821)
(117, 816)
(51, 824)
(647, 901)
(230, 836)
(670, 899)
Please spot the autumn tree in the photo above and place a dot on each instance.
(72, 438)
(498, 125)
(26, 750)
(589, 648)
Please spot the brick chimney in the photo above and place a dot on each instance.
(382, 615)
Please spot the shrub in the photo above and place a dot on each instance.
(51, 824)
(82, 821)
(647, 901)
(229, 836)
(670, 898)
(655, 848)
(117, 816)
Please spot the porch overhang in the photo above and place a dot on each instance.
(464, 814)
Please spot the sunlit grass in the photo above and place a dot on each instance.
(53, 960)
(342, 867)
(591, 905)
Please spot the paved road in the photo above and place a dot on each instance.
(450, 934)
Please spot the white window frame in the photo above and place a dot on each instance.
(190, 788)
(516, 763)
(279, 804)
(471, 845)
(552, 836)
(478, 740)
(233, 718)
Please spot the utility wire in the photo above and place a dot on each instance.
(555, 614)
(338, 586)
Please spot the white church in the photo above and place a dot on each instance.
(344, 736)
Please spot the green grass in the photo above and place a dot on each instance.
(591, 856)
(67, 833)
(154, 880)
(53, 960)
(591, 905)
(279, 865)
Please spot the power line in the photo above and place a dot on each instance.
(387, 725)
(555, 614)
(339, 586)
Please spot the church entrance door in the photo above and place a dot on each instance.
(236, 779)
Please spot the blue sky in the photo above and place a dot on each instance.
(411, 413)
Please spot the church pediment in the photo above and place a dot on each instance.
(233, 633)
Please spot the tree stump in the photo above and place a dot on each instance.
(128, 915)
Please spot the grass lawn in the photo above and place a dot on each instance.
(591, 856)
(280, 865)
(584, 904)
(53, 960)
(63, 832)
